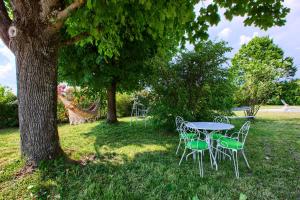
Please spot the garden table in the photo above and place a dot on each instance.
(209, 127)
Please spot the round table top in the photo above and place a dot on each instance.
(210, 126)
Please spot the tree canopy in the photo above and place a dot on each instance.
(106, 23)
(256, 68)
(195, 85)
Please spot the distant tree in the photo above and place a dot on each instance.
(256, 69)
(86, 67)
(6, 95)
(289, 91)
(8, 108)
(195, 85)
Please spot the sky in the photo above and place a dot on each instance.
(234, 32)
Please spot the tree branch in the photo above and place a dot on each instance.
(5, 23)
(47, 6)
(64, 14)
(75, 39)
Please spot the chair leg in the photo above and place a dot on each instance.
(235, 163)
(178, 146)
(245, 159)
(210, 158)
(216, 156)
(200, 155)
(182, 156)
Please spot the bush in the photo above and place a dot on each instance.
(62, 113)
(124, 104)
(195, 86)
(289, 91)
(8, 108)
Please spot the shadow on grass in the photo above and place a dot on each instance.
(122, 134)
(137, 162)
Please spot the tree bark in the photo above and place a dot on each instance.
(34, 39)
(111, 103)
(36, 59)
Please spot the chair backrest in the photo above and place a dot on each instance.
(178, 121)
(191, 128)
(222, 119)
(243, 132)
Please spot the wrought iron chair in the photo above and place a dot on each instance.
(220, 119)
(234, 144)
(191, 135)
(196, 145)
(218, 134)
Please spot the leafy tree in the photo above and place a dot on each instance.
(289, 91)
(85, 66)
(35, 30)
(256, 68)
(6, 95)
(8, 108)
(195, 86)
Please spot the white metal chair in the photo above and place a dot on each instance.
(182, 137)
(234, 144)
(218, 134)
(196, 145)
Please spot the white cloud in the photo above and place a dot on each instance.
(224, 34)
(8, 59)
(297, 48)
(5, 70)
(245, 39)
(7, 67)
(4, 51)
(293, 4)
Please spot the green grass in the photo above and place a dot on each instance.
(140, 163)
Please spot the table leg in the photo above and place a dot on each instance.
(208, 140)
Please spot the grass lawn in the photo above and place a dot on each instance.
(140, 163)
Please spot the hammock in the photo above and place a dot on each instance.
(78, 115)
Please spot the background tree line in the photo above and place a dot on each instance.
(194, 84)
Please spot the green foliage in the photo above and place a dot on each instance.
(62, 113)
(289, 91)
(6, 95)
(8, 108)
(124, 104)
(123, 34)
(109, 22)
(255, 70)
(85, 67)
(131, 162)
(195, 86)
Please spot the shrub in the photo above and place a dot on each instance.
(195, 86)
(8, 108)
(124, 104)
(289, 91)
(62, 113)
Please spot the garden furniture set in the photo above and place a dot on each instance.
(213, 137)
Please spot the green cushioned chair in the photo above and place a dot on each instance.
(219, 119)
(195, 145)
(178, 122)
(188, 136)
(234, 144)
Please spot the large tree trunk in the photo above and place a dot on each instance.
(36, 59)
(111, 103)
(33, 36)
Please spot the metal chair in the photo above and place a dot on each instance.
(196, 145)
(233, 144)
(178, 121)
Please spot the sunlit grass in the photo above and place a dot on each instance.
(138, 162)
